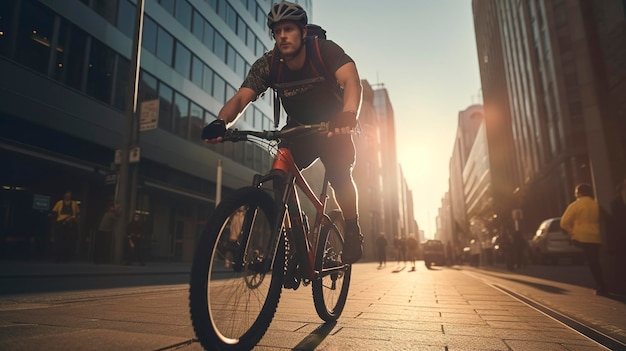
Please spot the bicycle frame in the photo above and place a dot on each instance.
(289, 216)
(284, 162)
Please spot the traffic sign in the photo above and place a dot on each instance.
(149, 115)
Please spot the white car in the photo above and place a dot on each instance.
(551, 243)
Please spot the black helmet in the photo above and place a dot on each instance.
(286, 11)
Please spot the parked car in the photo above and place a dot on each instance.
(434, 253)
(551, 243)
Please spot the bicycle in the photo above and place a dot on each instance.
(255, 244)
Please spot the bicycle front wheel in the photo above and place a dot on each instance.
(330, 289)
(236, 275)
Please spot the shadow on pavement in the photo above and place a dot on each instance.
(313, 340)
(545, 287)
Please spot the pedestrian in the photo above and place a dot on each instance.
(581, 220)
(401, 248)
(412, 245)
(474, 252)
(135, 234)
(381, 250)
(330, 93)
(65, 227)
(616, 233)
(103, 245)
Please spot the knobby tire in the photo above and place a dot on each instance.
(232, 295)
(331, 290)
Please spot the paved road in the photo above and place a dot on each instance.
(458, 308)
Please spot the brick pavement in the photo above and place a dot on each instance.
(439, 309)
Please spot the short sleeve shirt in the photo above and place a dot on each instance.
(308, 103)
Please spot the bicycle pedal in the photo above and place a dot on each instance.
(291, 284)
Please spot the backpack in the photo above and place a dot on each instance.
(314, 32)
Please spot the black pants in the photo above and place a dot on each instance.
(592, 254)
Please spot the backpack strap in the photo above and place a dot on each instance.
(276, 69)
(314, 56)
(320, 67)
(313, 46)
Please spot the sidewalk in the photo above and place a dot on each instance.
(446, 308)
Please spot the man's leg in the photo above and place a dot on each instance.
(338, 156)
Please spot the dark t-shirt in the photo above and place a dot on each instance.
(306, 103)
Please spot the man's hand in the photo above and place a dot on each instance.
(343, 123)
(214, 132)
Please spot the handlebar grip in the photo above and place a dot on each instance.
(234, 135)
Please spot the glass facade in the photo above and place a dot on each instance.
(195, 55)
(84, 61)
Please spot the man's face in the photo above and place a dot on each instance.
(288, 37)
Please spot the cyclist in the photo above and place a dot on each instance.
(307, 101)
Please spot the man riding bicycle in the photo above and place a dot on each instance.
(308, 100)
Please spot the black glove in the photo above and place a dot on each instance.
(344, 119)
(214, 130)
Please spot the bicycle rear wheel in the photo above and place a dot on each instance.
(330, 290)
(234, 287)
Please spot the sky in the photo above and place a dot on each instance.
(424, 52)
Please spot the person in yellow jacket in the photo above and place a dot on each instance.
(65, 213)
(581, 220)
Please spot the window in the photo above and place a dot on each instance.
(100, 71)
(208, 35)
(181, 115)
(240, 65)
(231, 17)
(195, 121)
(149, 36)
(106, 9)
(147, 87)
(121, 82)
(207, 81)
(241, 29)
(220, 46)
(221, 9)
(213, 4)
(261, 16)
(165, 106)
(198, 25)
(182, 64)
(197, 66)
(70, 55)
(230, 91)
(168, 5)
(126, 18)
(219, 88)
(260, 48)
(165, 46)
(250, 39)
(230, 57)
(183, 13)
(34, 36)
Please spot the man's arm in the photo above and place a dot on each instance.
(233, 107)
(213, 133)
(348, 78)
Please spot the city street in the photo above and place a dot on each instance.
(445, 308)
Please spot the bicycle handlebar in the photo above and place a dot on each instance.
(235, 135)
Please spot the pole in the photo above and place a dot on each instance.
(127, 135)
(218, 183)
